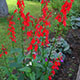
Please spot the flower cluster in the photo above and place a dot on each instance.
(3, 51)
(44, 1)
(21, 4)
(55, 66)
(12, 30)
(26, 18)
(64, 10)
(46, 13)
(41, 31)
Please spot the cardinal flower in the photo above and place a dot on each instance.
(34, 56)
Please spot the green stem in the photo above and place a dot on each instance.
(14, 54)
(6, 63)
(22, 43)
(22, 38)
(31, 54)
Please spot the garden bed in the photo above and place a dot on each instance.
(69, 68)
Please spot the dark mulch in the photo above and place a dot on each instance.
(69, 68)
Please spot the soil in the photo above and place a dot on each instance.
(69, 69)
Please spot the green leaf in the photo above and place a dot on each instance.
(69, 74)
(42, 77)
(21, 77)
(32, 76)
(20, 58)
(25, 69)
(38, 73)
(5, 69)
(66, 48)
(10, 58)
(28, 56)
(46, 77)
(14, 64)
(14, 50)
(38, 65)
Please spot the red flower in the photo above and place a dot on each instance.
(38, 41)
(36, 47)
(29, 33)
(3, 51)
(22, 15)
(58, 17)
(23, 28)
(29, 48)
(72, 0)
(53, 67)
(42, 1)
(6, 52)
(49, 77)
(13, 40)
(34, 56)
(19, 3)
(57, 68)
(1, 55)
(33, 41)
(11, 22)
(18, 19)
(23, 3)
(42, 44)
(64, 22)
(8, 33)
(15, 11)
(57, 64)
(53, 72)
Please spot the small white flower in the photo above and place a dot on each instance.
(30, 63)
(27, 64)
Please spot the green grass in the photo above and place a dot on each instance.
(32, 7)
